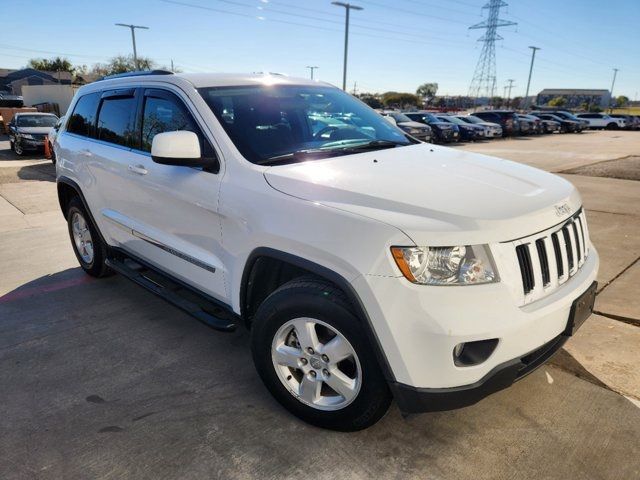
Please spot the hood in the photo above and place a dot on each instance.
(436, 195)
(40, 130)
(489, 124)
(413, 125)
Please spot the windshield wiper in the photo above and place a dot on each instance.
(301, 155)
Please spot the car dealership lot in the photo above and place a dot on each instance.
(102, 379)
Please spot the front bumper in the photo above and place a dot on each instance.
(418, 327)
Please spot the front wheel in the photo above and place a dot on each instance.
(612, 126)
(17, 148)
(310, 352)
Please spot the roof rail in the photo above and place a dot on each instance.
(138, 73)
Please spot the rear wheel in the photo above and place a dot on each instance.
(87, 243)
(612, 126)
(310, 352)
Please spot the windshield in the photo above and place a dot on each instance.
(37, 120)
(265, 122)
(472, 119)
(453, 120)
(400, 117)
(423, 117)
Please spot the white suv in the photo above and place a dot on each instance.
(602, 120)
(366, 265)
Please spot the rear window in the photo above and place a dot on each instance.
(82, 120)
(115, 120)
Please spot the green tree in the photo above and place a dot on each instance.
(51, 64)
(427, 90)
(122, 64)
(557, 102)
(397, 99)
(515, 102)
(621, 101)
(371, 99)
(497, 102)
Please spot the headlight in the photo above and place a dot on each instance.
(26, 135)
(461, 265)
(416, 130)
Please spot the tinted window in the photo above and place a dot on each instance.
(265, 122)
(37, 120)
(82, 120)
(115, 120)
(164, 115)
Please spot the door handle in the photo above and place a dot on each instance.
(138, 169)
(86, 152)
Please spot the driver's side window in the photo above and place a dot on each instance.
(163, 115)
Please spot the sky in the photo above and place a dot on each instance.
(393, 44)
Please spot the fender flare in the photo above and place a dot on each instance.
(327, 274)
(71, 183)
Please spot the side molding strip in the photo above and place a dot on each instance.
(160, 245)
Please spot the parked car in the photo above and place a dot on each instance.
(491, 130)
(365, 264)
(566, 126)
(505, 118)
(602, 120)
(51, 138)
(468, 132)
(415, 129)
(570, 116)
(631, 122)
(546, 125)
(28, 131)
(528, 126)
(443, 132)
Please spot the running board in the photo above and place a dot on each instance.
(183, 297)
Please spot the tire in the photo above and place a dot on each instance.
(612, 126)
(83, 232)
(310, 304)
(17, 148)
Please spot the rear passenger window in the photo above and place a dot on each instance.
(82, 120)
(164, 115)
(116, 119)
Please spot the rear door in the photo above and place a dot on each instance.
(171, 212)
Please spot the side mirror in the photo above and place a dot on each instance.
(390, 119)
(180, 148)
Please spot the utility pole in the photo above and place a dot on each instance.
(355, 88)
(348, 7)
(533, 57)
(615, 73)
(311, 69)
(133, 39)
(172, 65)
(510, 86)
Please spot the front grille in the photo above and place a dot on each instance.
(549, 259)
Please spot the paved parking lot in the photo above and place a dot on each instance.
(100, 379)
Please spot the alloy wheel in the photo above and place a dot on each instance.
(316, 364)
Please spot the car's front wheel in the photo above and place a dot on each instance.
(310, 352)
(17, 148)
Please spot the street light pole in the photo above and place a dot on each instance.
(348, 7)
(133, 39)
(311, 69)
(613, 82)
(533, 57)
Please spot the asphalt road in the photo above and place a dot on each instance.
(100, 379)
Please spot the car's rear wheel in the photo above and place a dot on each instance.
(90, 249)
(612, 126)
(310, 352)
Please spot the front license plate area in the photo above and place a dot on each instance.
(581, 309)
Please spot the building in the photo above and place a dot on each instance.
(12, 81)
(576, 97)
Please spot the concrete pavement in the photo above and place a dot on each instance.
(100, 379)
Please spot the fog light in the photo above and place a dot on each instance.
(473, 353)
(457, 350)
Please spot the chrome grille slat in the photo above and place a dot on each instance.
(547, 260)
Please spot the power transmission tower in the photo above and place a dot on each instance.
(509, 87)
(484, 77)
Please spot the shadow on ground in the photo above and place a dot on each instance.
(100, 378)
